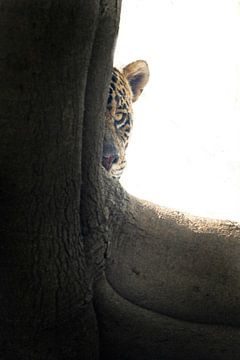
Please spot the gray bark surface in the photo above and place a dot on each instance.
(171, 285)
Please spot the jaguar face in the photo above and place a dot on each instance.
(124, 89)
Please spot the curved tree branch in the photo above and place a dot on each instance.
(185, 270)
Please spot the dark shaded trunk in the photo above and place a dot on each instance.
(171, 288)
(56, 59)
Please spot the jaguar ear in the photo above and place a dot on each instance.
(137, 74)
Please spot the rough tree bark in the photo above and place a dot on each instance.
(55, 64)
(171, 287)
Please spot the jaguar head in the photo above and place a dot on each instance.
(125, 87)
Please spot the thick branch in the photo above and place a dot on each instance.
(177, 266)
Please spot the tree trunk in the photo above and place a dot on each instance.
(81, 260)
(55, 64)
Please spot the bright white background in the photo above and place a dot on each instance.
(184, 152)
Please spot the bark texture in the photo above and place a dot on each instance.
(82, 260)
(52, 73)
(171, 288)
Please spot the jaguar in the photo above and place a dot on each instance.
(125, 87)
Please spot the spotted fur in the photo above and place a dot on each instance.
(125, 87)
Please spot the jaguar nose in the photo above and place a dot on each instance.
(109, 160)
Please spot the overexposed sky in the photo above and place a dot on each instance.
(184, 152)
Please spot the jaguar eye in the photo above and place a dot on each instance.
(118, 116)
